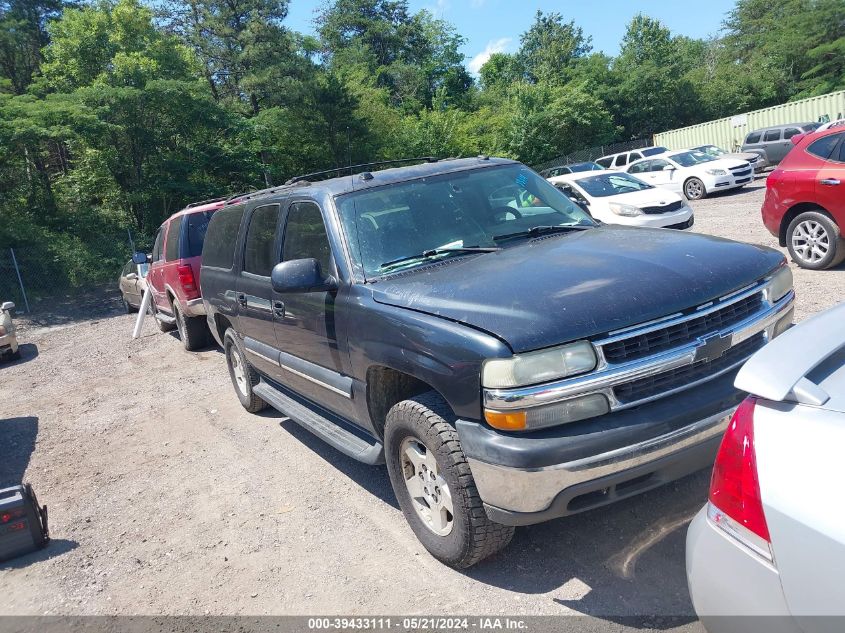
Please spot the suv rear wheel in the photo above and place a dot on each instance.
(434, 485)
(192, 330)
(814, 241)
(243, 376)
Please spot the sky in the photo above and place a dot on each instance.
(491, 26)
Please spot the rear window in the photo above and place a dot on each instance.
(653, 151)
(197, 227)
(221, 236)
(754, 137)
(824, 146)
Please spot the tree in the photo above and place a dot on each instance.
(22, 36)
(550, 47)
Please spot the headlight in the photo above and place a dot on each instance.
(717, 172)
(780, 284)
(627, 210)
(536, 367)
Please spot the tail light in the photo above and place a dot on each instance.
(736, 505)
(186, 280)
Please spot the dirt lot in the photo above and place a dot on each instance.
(167, 498)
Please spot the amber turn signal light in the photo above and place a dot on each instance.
(506, 421)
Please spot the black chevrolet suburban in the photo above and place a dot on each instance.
(510, 359)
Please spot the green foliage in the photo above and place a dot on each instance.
(116, 113)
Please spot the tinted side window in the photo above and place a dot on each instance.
(305, 236)
(771, 135)
(789, 132)
(221, 237)
(842, 151)
(157, 245)
(658, 165)
(622, 159)
(197, 225)
(171, 247)
(639, 168)
(754, 137)
(259, 257)
(604, 162)
(635, 156)
(824, 146)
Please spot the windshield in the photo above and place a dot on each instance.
(579, 167)
(449, 212)
(611, 185)
(691, 158)
(653, 151)
(711, 150)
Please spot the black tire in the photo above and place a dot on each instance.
(832, 236)
(694, 189)
(232, 348)
(427, 419)
(192, 330)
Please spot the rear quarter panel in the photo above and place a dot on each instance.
(800, 467)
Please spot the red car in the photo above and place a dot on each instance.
(805, 200)
(174, 274)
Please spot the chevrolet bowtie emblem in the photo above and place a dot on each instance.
(712, 347)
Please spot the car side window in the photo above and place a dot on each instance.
(658, 165)
(640, 168)
(305, 236)
(841, 149)
(604, 162)
(635, 156)
(771, 135)
(754, 137)
(259, 255)
(825, 145)
(622, 159)
(127, 268)
(789, 132)
(171, 246)
(157, 246)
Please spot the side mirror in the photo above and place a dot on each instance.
(669, 168)
(141, 258)
(132, 276)
(7, 306)
(301, 275)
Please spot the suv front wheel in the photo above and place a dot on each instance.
(434, 485)
(192, 330)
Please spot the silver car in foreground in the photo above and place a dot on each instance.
(771, 540)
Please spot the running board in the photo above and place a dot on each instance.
(166, 318)
(346, 441)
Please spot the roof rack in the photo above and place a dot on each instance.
(249, 195)
(350, 168)
(202, 202)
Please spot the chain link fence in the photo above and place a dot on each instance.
(592, 153)
(39, 277)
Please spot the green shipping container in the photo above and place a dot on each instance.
(730, 132)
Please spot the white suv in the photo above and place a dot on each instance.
(620, 160)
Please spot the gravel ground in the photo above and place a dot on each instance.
(167, 498)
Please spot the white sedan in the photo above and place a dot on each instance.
(771, 540)
(692, 173)
(614, 197)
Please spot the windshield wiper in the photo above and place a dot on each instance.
(434, 252)
(542, 230)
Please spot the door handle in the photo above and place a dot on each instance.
(830, 182)
(279, 309)
(242, 299)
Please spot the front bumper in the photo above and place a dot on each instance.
(682, 216)
(728, 583)
(532, 477)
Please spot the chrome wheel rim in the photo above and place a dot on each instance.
(810, 241)
(429, 492)
(694, 189)
(238, 371)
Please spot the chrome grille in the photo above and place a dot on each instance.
(667, 208)
(678, 378)
(663, 339)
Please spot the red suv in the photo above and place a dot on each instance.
(805, 200)
(174, 275)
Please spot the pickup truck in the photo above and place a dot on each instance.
(509, 358)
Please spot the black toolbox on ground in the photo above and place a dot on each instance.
(23, 523)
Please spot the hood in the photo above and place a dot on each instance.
(745, 157)
(656, 197)
(724, 163)
(578, 285)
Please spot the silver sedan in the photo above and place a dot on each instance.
(771, 539)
